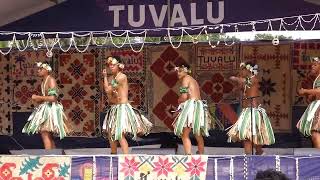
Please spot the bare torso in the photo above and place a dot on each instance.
(122, 89)
(252, 91)
(193, 87)
(112, 96)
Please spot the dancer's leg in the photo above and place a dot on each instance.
(186, 140)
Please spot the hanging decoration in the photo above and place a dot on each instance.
(278, 24)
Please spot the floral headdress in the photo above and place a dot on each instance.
(316, 59)
(183, 68)
(114, 61)
(253, 70)
(44, 66)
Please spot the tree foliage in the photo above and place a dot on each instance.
(266, 36)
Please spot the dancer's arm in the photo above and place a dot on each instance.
(184, 96)
(313, 92)
(239, 80)
(106, 85)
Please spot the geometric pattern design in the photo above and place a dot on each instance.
(25, 80)
(77, 91)
(274, 81)
(6, 123)
(35, 167)
(162, 167)
(213, 69)
(164, 84)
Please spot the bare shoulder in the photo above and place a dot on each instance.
(255, 79)
(122, 77)
(52, 82)
(186, 81)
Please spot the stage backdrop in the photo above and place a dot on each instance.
(154, 84)
(275, 84)
(5, 96)
(163, 82)
(212, 69)
(78, 90)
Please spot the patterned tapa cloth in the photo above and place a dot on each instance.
(262, 129)
(124, 119)
(48, 116)
(310, 120)
(195, 114)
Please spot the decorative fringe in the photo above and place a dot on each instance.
(262, 129)
(124, 119)
(194, 114)
(48, 116)
(309, 121)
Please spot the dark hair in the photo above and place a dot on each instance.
(270, 174)
(183, 64)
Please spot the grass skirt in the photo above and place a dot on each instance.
(48, 116)
(310, 120)
(124, 119)
(194, 114)
(262, 129)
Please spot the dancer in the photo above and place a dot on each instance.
(121, 118)
(112, 100)
(309, 123)
(193, 112)
(262, 129)
(48, 117)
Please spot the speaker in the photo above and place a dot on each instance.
(154, 151)
(37, 152)
(306, 151)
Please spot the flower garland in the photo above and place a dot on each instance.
(279, 24)
(316, 59)
(183, 68)
(44, 66)
(253, 70)
(114, 61)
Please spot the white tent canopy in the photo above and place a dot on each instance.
(13, 10)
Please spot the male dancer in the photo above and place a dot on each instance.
(48, 117)
(309, 123)
(122, 119)
(193, 113)
(262, 129)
